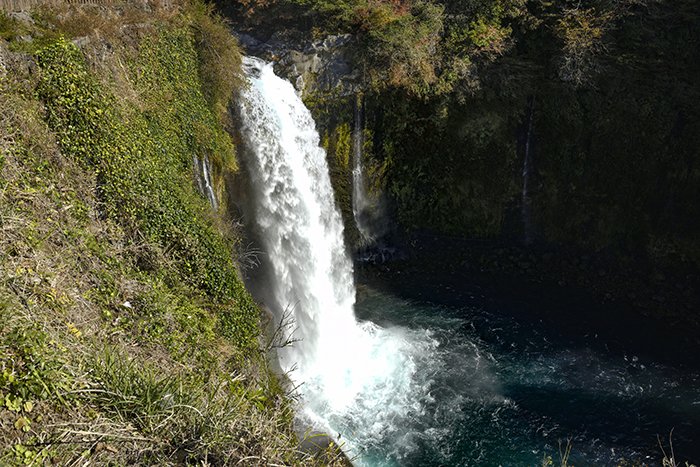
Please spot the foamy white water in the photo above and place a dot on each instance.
(357, 379)
(450, 386)
(203, 170)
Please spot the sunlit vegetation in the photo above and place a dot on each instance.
(126, 334)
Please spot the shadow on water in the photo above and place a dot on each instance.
(627, 420)
(567, 312)
(561, 367)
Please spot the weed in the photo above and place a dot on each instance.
(669, 459)
(564, 454)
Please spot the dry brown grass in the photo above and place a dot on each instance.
(106, 21)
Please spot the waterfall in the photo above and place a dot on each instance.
(361, 205)
(355, 379)
(203, 172)
(527, 167)
(299, 226)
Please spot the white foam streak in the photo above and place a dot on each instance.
(203, 171)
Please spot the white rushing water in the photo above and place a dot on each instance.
(447, 387)
(357, 379)
(203, 170)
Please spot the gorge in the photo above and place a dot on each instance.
(356, 379)
(386, 233)
(406, 382)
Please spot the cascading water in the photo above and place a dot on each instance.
(203, 170)
(357, 379)
(361, 205)
(442, 385)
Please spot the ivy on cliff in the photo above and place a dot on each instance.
(139, 154)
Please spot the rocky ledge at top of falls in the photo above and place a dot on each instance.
(316, 66)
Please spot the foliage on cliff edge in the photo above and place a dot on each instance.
(602, 94)
(126, 335)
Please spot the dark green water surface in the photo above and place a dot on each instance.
(498, 386)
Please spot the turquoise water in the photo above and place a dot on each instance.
(497, 388)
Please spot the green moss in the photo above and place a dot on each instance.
(219, 58)
(7, 26)
(121, 312)
(342, 145)
(33, 366)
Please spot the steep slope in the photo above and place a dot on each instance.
(126, 335)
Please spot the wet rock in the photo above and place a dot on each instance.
(319, 66)
(315, 442)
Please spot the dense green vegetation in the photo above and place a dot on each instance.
(126, 334)
(450, 84)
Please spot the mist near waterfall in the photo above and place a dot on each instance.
(351, 375)
(398, 382)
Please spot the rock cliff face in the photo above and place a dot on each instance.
(325, 75)
(611, 167)
(319, 66)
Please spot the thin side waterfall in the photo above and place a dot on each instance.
(356, 380)
(361, 205)
(527, 167)
(203, 170)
